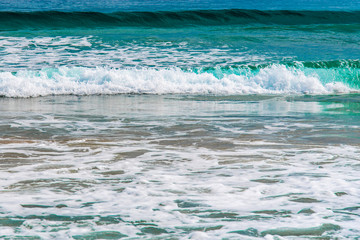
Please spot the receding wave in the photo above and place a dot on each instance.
(54, 19)
(272, 79)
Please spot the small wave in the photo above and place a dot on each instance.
(273, 79)
(59, 20)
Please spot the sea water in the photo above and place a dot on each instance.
(179, 119)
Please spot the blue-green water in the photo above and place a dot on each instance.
(179, 119)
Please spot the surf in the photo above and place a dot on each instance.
(271, 79)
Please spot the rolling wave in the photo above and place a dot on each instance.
(271, 79)
(10, 21)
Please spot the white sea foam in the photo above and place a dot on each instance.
(89, 51)
(196, 169)
(276, 79)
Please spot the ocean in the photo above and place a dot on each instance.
(194, 119)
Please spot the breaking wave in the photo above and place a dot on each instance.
(271, 79)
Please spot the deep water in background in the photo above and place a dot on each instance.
(170, 5)
(171, 19)
(179, 119)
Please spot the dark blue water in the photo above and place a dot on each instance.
(170, 5)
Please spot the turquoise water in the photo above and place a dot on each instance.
(179, 120)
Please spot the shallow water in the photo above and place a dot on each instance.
(102, 167)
